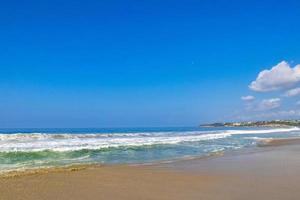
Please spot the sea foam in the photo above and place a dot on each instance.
(72, 142)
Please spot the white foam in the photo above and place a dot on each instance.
(72, 142)
(264, 131)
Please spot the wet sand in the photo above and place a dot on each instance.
(280, 142)
(271, 172)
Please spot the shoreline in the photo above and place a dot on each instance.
(82, 166)
(279, 142)
(263, 145)
(268, 172)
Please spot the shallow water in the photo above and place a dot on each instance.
(31, 148)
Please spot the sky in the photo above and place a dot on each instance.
(149, 63)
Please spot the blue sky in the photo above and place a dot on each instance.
(143, 63)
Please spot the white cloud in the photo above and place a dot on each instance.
(292, 92)
(248, 98)
(269, 104)
(280, 76)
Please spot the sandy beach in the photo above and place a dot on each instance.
(270, 172)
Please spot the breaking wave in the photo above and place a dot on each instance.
(32, 142)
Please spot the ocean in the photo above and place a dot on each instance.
(36, 148)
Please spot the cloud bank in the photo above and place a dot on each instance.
(278, 77)
(282, 78)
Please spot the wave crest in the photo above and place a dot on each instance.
(74, 142)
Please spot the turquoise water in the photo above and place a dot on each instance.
(31, 148)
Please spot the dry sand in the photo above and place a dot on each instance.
(271, 172)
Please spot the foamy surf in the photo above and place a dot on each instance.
(78, 142)
(23, 150)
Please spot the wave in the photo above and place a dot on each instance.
(75, 144)
(264, 131)
(24, 136)
(32, 150)
(33, 142)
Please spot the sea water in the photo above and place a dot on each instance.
(34, 148)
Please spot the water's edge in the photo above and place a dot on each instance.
(33, 150)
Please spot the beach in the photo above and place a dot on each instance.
(149, 100)
(269, 172)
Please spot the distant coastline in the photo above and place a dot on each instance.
(271, 123)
